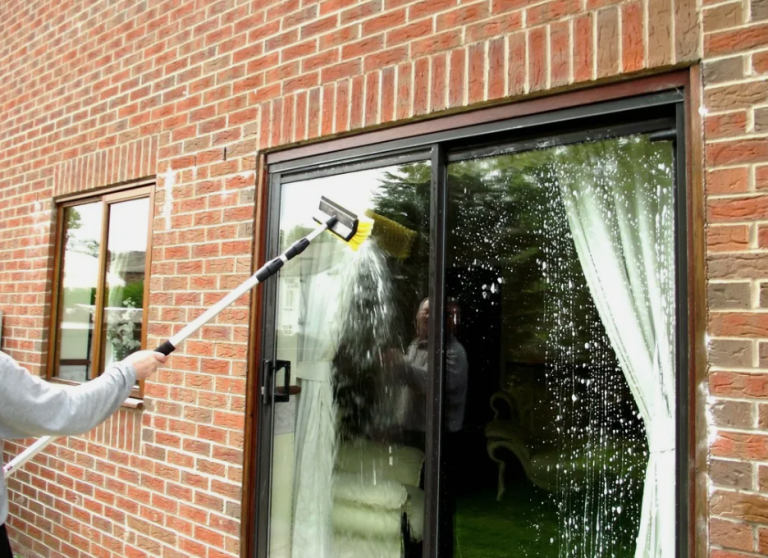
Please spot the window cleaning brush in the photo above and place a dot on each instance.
(331, 217)
(391, 236)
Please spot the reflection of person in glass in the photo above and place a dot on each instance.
(416, 362)
(414, 365)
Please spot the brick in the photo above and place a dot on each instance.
(723, 16)
(739, 324)
(385, 58)
(387, 20)
(632, 36)
(762, 236)
(421, 85)
(737, 384)
(457, 77)
(339, 36)
(496, 69)
(409, 32)
(737, 152)
(751, 507)
(732, 97)
(760, 62)
(361, 48)
(551, 11)
(730, 474)
(516, 64)
(723, 296)
(730, 534)
(758, 10)
(439, 76)
(728, 181)
(761, 120)
(727, 238)
(340, 71)
(476, 73)
(426, 8)
(372, 99)
(687, 31)
(737, 266)
(730, 353)
(493, 27)
(388, 94)
(537, 62)
(659, 32)
(733, 41)
(731, 124)
(342, 107)
(608, 41)
(435, 43)
(559, 51)
(732, 414)
(501, 6)
(360, 10)
(739, 446)
(761, 177)
(462, 15)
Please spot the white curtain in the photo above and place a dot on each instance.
(323, 267)
(618, 198)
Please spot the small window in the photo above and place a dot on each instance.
(101, 283)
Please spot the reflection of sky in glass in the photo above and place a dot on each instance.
(353, 191)
(81, 267)
(90, 222)
(128, 226)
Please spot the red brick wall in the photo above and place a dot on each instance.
(736, 130)
(96, 92)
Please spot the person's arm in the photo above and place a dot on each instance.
(30, 406)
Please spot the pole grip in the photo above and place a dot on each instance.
(166, 348)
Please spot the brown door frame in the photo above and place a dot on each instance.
(687, 80)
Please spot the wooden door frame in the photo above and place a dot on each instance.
(687, 80)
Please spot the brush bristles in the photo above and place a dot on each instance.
(391, 236)
(364, 228)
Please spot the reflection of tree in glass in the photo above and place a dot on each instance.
(124, 326)
(87, 246)
(507, 224)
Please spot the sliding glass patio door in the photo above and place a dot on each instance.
(497, 371)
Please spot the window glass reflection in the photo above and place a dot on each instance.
(561, 261)
(126, 271)
(348, 457)
(79, 281)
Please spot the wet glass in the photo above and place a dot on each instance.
(561, 279)
(124, 282)
(79, 282)
(348, 446)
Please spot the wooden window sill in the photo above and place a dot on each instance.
(133, 403)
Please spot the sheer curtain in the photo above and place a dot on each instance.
(323, 266)
(618, 198)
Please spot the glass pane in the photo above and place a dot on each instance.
(349, 445)
(126, 270)
(80, 277)
(561, 286)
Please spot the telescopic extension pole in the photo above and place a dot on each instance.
(168, 346)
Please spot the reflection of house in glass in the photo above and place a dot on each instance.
(123, 313)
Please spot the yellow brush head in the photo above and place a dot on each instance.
(391, 236)
(364, 228)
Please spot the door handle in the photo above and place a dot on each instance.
(270, 390)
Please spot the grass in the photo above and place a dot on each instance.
(521, 525)
(525, 524)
